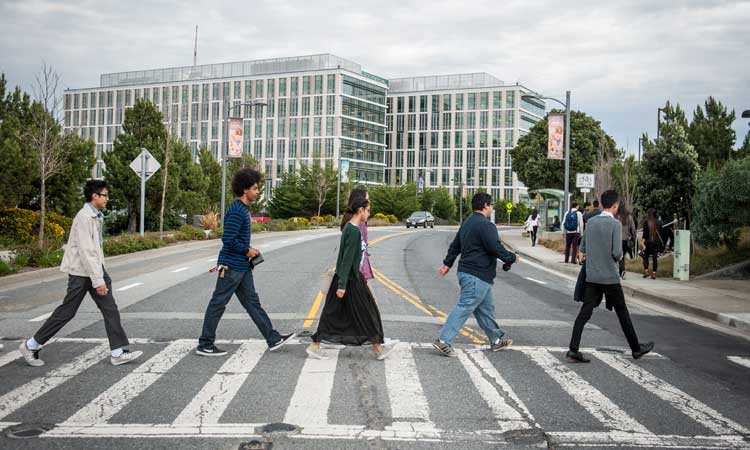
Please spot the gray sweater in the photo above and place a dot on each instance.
(602, 244)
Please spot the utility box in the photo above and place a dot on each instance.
(681, 269)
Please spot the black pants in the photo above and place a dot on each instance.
(625, 251)
(654, 255)
(592, 299)
(533, 235)
(571, 242)
(77, 289)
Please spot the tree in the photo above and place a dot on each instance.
(193, 184)
(606, 156)
(400, 201)
(744, 151)
(65, 189)
(669, 170)
(444, 206)
(288, 198)
(720, 206)
(625, 179)
(529, 157)
(44, 136)
(17, 159)
(142, 128)
(711, 133)
(211, 169)
(319, 184)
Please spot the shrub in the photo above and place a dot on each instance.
(439, 221)
(328, 218)
(190, 233)
(378, 223)
(21, 226)
(299, 220)
(317, 220)
(380, 216)
(392, 219)
(257, 227)
(210, 220)
(276, 225)
(129, 243)
(33, 255)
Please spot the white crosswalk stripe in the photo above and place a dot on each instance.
(311, 407)
(743, 361)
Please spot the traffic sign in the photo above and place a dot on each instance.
(145, 157)
(585, 180)
(509, 206)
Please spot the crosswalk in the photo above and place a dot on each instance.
(408, 379)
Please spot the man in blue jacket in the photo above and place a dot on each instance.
(478, 243)
(235, 276)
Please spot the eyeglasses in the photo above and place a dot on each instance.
(102, 195)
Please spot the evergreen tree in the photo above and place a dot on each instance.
(711, 133)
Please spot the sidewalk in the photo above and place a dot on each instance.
(723, 301)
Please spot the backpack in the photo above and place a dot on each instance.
(571, 221)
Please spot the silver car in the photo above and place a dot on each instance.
(420, 219)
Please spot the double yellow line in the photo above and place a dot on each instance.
(426, 308)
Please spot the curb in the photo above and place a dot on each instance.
(721, 318)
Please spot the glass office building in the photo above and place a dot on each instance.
(449, 130)
(318, 107)
(454, 130)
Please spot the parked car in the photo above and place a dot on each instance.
(420, 219)
(262, 216)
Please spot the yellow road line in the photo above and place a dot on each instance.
(416, 301)
(314, 310)
(388, 236)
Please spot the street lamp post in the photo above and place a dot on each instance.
(225, 149)
(640, 141)
(566, 105)
(658, 121)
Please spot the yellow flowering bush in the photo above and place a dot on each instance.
(300, 220)
(20, 226)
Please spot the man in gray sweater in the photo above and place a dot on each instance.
(602, 249)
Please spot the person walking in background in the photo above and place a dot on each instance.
(235, 273)
(479, 245)
(83, 261)
(628, 235)
(532, 224)
(651, 243)
(555, 224)
(573, 228)
(594, 211)
(602, 249)
(350, 315)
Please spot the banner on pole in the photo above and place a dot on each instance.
(344, 170)
(556, 128)
(235, 138)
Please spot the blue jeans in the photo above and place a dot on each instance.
(240, 283)
(476, 297)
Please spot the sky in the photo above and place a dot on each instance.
(620, 59)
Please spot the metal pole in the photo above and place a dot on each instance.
(224, 165)
(639, 148)
(338, 186)
(566, 201)
(144, 161)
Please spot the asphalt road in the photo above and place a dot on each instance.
(692, 393)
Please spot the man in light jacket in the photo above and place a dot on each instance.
(84, 263)
(602, 249)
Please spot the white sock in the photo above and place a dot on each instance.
(32, 344)
(116, 353)
(497, 341)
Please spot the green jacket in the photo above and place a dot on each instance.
(350, 255)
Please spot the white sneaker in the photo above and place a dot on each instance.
(126, 357)
(316, 353)
(386, 350)
(31, 356)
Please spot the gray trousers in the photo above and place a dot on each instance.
(78, 287)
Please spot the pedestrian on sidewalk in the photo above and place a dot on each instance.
(235, 273)
(594, 211)
(479, 245)
(532, 223)
(651, 243)
(602, 249)
(555, 224)
(83, 261)
(573, 226)
(350, 315)
(628, 235)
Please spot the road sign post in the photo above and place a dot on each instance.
(144, 165)
(509, 209)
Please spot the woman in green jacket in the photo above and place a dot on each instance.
(350, 315)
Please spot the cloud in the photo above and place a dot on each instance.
(621, 59)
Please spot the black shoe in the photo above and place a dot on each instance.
(645, 348)
(576, 357)
(210, 351)
(284, 339)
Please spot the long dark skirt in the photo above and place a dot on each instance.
(351, 320)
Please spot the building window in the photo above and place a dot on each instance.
(472, 98)
(510, 100)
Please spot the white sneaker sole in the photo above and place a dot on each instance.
(315, 355)
(385, 352)
(120, 361)
(29, 359)
(282, 343)
(201, 353)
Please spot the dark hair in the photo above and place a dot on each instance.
(480, 200)
(596, 203)
(93, 187)
(534, 214)
(651, 224)
(622, 214)
(586, 204)
(245, 178)
(355, 196)
(354, 205)
(609, 198)
(574, 205)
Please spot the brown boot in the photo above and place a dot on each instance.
(645, 273)
(653, 275)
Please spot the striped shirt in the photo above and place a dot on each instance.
(236, 237)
